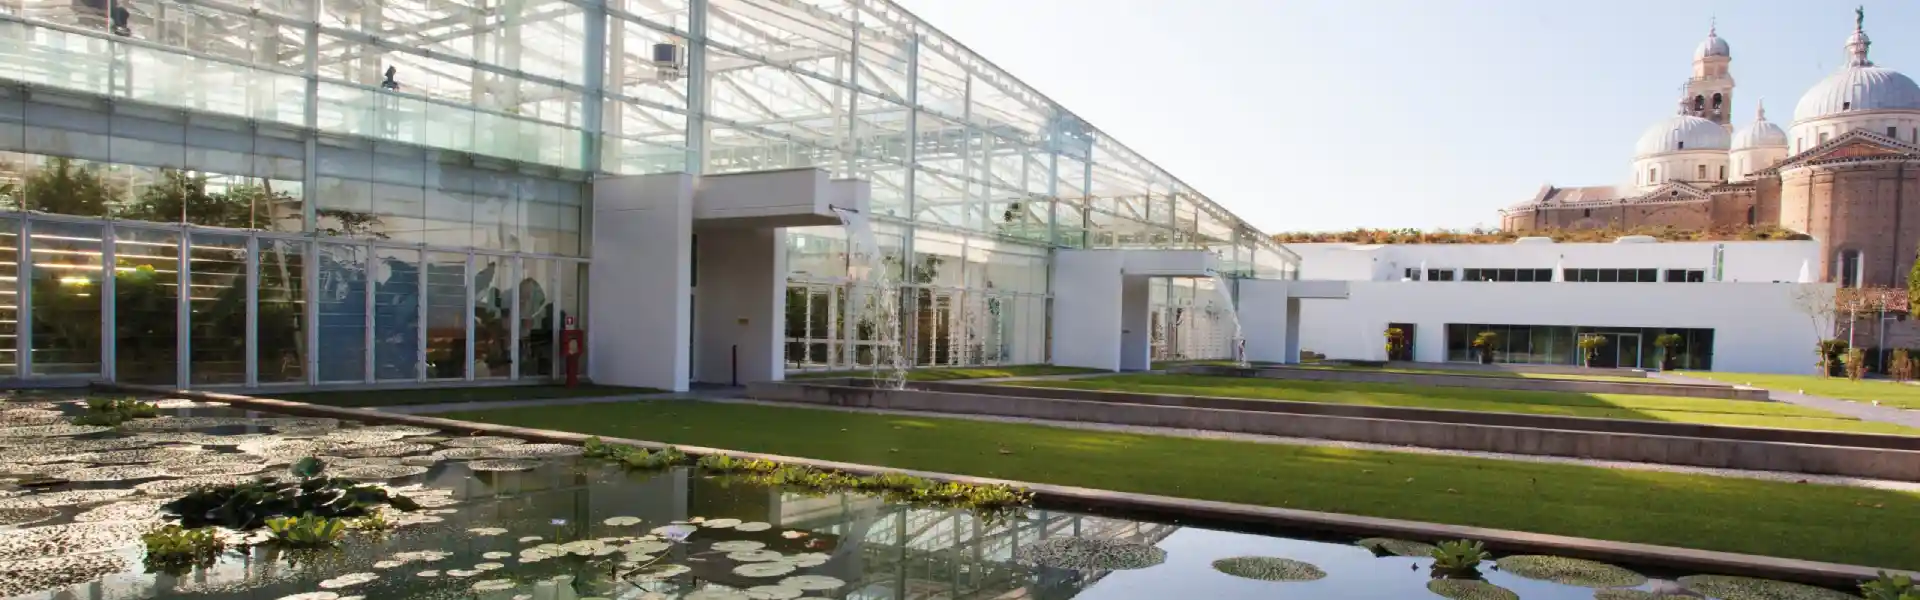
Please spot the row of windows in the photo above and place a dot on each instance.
(1572, 275)
(1700, 172)
(1892, 132)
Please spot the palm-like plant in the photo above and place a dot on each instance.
(1458, 559)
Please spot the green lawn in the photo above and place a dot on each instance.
(947, 374)
(1487, 373)
(1610, 406)
(442, 395)
(1891, 393)
(1839, 524)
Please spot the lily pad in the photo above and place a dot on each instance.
(621, 521)
(55, 430)
(773, 592)
(138, 510)
(737, 546)
(499, 465)
(813, 582)
(378, 472)
(1268, 568)
(29, 576)
(14, 517)
(536, 450)
(493, 585)
(752, 526)
(719, 523)
(1570, 571)
(76, 538)
(658, 572)
(753, 556)
(763, 569)
(1090, 554)
(348, 580)
(67, 498)
(1393, 547)
(1747, 588)
(1620, 594)
(1470, 589)
(482, 441)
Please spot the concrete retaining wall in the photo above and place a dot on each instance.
(1878, 463)
(1492, 382)
(1438, 415)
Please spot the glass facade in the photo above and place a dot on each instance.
(398, 189)
(1626, 347)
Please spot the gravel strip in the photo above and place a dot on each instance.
(1879, 484)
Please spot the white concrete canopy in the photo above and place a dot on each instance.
(781, 198)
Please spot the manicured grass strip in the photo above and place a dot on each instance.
(445, 395)
(1711, 411)
(947, 374)
(1486, 373)
(1889, 393)
(1847, 525)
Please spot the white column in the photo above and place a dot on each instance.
(1086, 323)
(642, 280)
(1293, 331)
(1264, 320)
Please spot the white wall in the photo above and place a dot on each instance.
(1757, 327)
(1767, 261)
(1086, 320)
(742, 290)
(642, 278)
(1805, 135)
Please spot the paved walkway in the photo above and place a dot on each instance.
(1858, 410)
(423, 409)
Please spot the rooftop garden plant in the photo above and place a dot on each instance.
(1497, 236)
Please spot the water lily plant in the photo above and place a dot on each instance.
(174, 550)
(111, 412)
(249, 505)
(1458, 559)
(306, 531)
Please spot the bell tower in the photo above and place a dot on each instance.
(1709, 93)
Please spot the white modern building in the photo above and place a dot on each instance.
(1738, 306)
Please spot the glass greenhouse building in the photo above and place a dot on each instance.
(312, 192)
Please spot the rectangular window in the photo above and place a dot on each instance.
(1439, 274)
(1893, 132)
(1509, 275)
(1526, 275)
(1648, 275)
(1609, 275)
(1703, 172)
(1696, 276)
(1823, 137)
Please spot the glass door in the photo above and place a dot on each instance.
(1627, 350)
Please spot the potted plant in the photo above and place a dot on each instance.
(1669, 344)
(1590, 345)
(1396, 342)
(1486, 341)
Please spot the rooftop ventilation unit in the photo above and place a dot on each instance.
(669, 61)
(1634, 239)
(1533, 240)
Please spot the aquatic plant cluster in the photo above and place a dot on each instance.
(894, 487)
(252, 504)
(111, 412)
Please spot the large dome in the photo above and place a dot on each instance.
(1858, 88)
(1759, 134)
(1680, 133)
(1712, 46)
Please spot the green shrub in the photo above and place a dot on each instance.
(634, 457)
(306, 531)
(111, 412)
(174, 550)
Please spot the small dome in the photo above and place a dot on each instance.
(1857, 88)
(1712, 46)
(1680, 133)
(1760, 134)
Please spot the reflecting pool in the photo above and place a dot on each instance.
(501, 519)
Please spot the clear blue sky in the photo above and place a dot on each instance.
(1334, 114)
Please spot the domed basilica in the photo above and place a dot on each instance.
(1842, 171)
